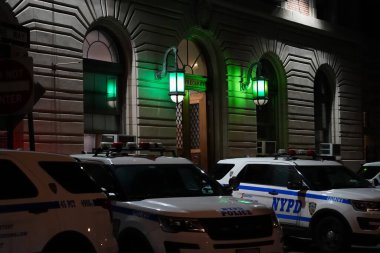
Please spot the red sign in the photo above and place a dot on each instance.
(16, 87)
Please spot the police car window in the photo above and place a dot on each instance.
(256, 174)
(322, 178)
(14, 183)
(221, 169)
(71, 176)
(101, 176)
(281, 174)
(369, 172)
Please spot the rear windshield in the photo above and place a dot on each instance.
(71, 176)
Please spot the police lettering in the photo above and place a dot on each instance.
(286, 205)
(234, 211)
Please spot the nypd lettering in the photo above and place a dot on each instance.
(234, 211)
(286, 205)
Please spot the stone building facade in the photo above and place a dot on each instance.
(314, 66)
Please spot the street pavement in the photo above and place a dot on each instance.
(306, 246)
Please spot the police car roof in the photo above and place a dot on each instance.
(372, 164)
(35, 155)
(283, 160)
(120, 160)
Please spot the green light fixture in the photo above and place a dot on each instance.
(176, 86)
(176, 77)
(111, 92)
(259, 85)
(260, 90)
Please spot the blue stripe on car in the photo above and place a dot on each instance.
(138, 213)
(295, 193)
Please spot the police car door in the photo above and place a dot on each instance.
(267, 183)
(18, 210)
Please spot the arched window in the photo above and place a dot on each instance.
(322, 109)
(99, 46)
(266, 115)
(190, 59)
(102, 89)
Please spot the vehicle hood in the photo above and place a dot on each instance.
(369, 194)
(197, 207)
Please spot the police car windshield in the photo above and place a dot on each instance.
(164, 181)
(321, 178)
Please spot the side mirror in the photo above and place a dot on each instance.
(234, 183)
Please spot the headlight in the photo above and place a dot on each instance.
(175, 225)
(275, 222)
(365, 206)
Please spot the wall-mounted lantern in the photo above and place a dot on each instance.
(176, 77)
(258, 84)
(176, 86)
(112, 92)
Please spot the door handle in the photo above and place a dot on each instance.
(273, 193)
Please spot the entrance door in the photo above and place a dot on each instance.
(198, 129)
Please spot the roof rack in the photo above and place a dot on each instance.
(293, 154)
(133, 150)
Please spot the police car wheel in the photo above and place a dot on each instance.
(331, 235)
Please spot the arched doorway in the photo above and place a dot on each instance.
(102, 88)
(192, 142)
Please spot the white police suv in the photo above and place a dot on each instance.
(48, 204)
(168, 205)
(316, 198)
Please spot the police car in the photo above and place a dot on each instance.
(371, 172)
(48, 204)
(167, 204)
(319, 199)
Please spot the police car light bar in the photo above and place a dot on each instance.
(117, 149)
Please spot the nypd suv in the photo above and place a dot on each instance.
(48, 204)
(166, 204)
(319, 199)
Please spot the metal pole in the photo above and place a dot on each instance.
(9, 132)
(32, 145)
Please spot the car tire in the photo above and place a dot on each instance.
(332, 235)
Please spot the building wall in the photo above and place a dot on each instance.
(233, 36)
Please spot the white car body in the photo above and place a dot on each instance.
(297, 209)
(146, 216)
(43, 216)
